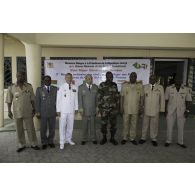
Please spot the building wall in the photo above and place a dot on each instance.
(14, 48)
(133, 40)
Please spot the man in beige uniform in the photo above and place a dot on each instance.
(131, 105)
(154, 102)
(178, 98)
(22, 96)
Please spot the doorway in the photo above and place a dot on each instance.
(167, 69)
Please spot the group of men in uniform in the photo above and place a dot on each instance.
(137, 99)
(150, 100)
(26, 105)
(90, 100)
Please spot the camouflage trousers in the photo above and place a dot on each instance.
(108, 117)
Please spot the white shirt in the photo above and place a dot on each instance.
(152, 85)
(47, 87)
(88, 85)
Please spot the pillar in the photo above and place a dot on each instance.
(33, 66)
(1, 81)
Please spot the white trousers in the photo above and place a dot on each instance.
(150, 122)
(66, 122)
(180, 126)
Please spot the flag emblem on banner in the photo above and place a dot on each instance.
(50, 65)
(138, 66)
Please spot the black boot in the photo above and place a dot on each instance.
(104, 140)
(113, 141)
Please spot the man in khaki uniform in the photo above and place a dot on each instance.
(154, 102)
(22, 96)
(178, 98)
(131, 104)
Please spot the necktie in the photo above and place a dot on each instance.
(152, 87)
(48, 89)
(69, 87)
(89, 88)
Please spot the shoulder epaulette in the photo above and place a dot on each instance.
(28, 84)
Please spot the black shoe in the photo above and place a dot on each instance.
(52, 145)
(141, 141)
(35, 147)
(133, 142)
(182, 145)
(21, 149)
(113, 141)
(44, 146)
(123, 141)
(167, 144)
(154, 143)
(83, 143)
(103, 141)
(94, 142)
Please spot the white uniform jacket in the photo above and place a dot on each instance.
(67, 99)
(177, 100)
(154, 100)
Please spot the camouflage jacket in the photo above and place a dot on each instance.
(108, 96)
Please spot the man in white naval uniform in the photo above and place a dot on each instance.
(178, 98)
(67, 105)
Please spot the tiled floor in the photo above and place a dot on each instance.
(99, 154)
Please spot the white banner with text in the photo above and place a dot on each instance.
(121, 70)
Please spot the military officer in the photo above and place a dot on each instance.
(131, 106)
(46, 110)
(178, 98)
(22, 96)
(108, 105)
(67, 105)
(87, 97)
(154, 102)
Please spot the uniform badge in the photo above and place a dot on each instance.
(27, 91)
(43, 94)
(16, 95)
(74, 90)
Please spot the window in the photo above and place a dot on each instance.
(21, 65)
(7, 72)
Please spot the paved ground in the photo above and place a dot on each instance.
(145, 153)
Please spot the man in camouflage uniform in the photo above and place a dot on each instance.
(108, 104)
(23, 98)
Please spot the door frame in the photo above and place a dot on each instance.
(185, 68)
